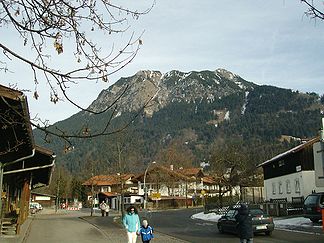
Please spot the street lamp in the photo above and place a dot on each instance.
(121, 203)
(145, 189)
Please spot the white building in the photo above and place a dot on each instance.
(291, 174)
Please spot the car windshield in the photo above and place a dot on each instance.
(255, 212)
(231, 213)
(312, 199)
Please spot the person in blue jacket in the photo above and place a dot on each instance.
(131, 223)
(146, 232)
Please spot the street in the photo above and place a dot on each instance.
(173, 226)
(179, 224)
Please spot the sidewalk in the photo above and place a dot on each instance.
(25, 227)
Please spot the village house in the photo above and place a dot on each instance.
(116, 190)
(290, 175)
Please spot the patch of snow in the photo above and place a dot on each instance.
(216, 81)
(207, 217)
(245, 103)
(243, 109)
(279, 223)
(227, 115)
(118, 114)
(240, 84)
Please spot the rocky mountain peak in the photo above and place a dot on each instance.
(175, 86)
(226, 74)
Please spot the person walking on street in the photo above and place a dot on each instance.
(107, 209)
(131, 223)
(244, 227)
(146, 232)
(103, 207)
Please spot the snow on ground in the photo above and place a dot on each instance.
(279, 223)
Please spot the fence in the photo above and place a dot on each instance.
(281, 207)
(275, 207)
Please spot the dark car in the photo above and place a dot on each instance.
(261, 222)
(313, 205)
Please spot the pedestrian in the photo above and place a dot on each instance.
(103, 207)
(131, 223)
(244, 224)
(146, 232)
(107, 209)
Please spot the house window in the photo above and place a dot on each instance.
(288, 186)
(273, 188)
(297, 186)
(281, 163)
(104, 189)
(280, 187)
(298, 168)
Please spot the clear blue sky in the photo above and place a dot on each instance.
(265, 42)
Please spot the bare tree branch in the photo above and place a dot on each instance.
(54, 25)
(313, 10)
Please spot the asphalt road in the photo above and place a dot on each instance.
(178, 223)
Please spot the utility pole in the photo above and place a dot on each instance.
(58, 191)
(1, 182)
(92, 192)
(122, 198)
(186, 193)
(121, 203)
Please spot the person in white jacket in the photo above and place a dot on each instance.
(103, 207)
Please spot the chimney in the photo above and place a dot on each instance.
(171, 167)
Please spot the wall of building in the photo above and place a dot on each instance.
(299, 184)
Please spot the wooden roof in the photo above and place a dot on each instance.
(15, 126)
(197, 172)
(107, 180)
(209, 180)
(290, 151)
(159, 169)
(18, 151)
(41, 166)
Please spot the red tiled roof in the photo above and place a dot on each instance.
(107, 180)
(189, 171)
(208, 180)
(166, 170)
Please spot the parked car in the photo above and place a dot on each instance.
(313, 206)
(35, 205)
(261, 222)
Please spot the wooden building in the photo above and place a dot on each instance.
(22, 163)
(291, 174)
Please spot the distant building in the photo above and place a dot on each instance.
(109, 187)
(45, 200)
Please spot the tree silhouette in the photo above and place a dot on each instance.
(82, 32)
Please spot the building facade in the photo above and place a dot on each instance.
(291, 174)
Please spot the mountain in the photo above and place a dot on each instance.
(186, 113)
